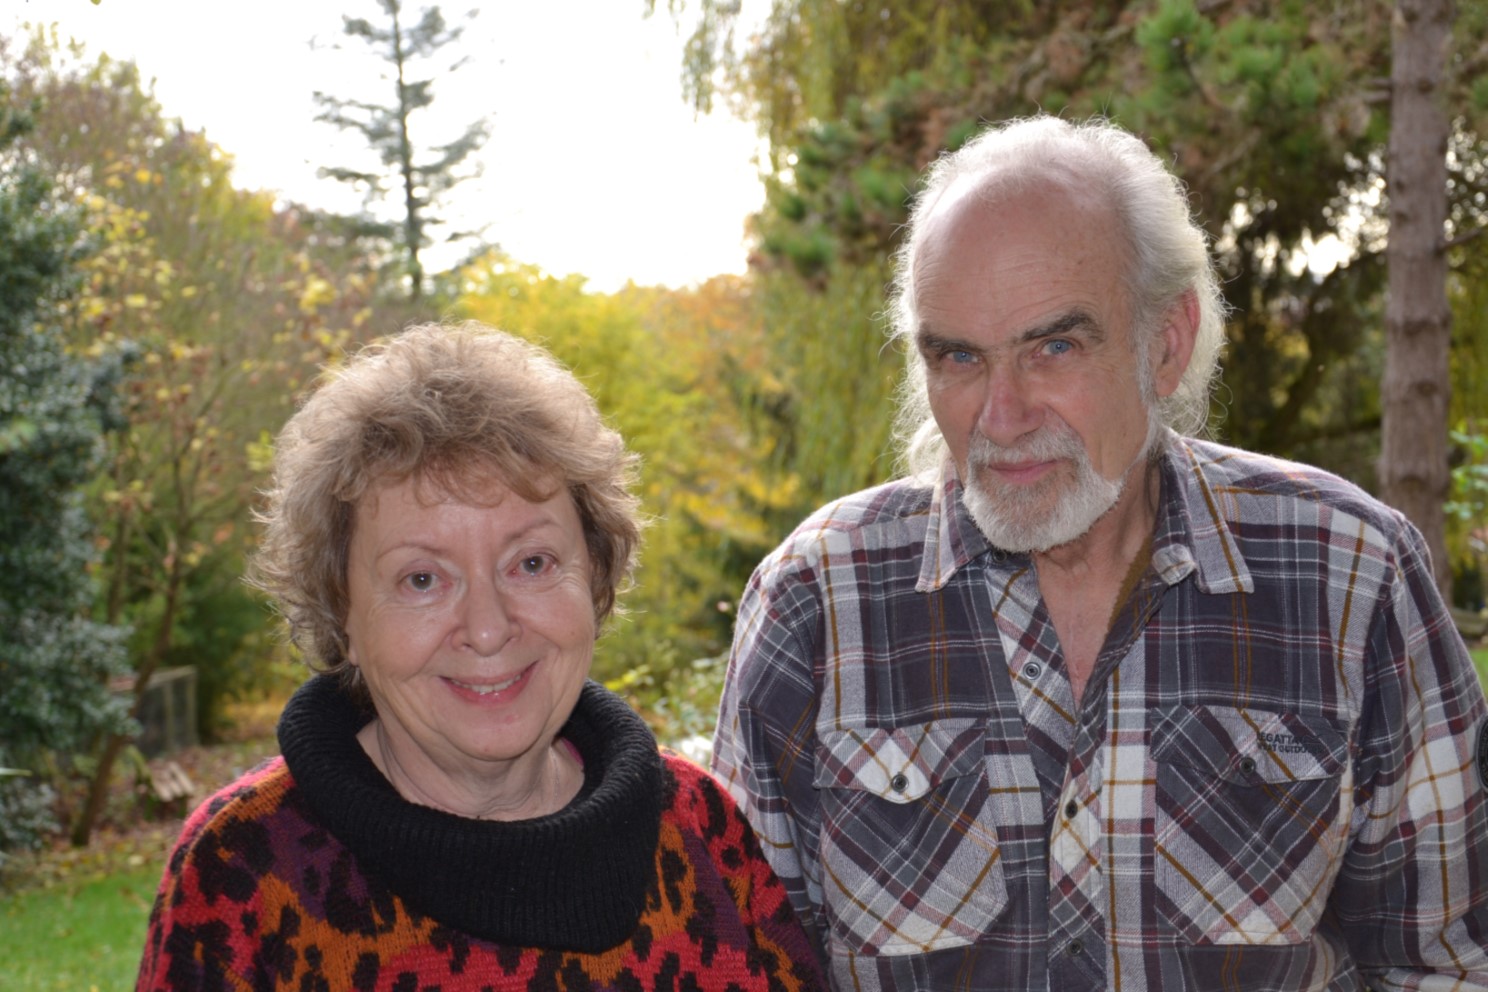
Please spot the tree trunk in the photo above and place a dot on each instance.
(1413, 470)
(413, 233)
(114, 744)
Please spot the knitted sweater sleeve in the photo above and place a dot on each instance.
(201, 924)
(731, 870)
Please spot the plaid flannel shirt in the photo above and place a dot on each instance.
(1275, 780)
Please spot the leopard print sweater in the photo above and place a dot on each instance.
(311, 873)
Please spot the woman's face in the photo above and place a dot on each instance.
(472, 625)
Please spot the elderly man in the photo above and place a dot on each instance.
(1085, 702)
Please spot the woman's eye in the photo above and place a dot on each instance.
(533, 564)
(421, 581)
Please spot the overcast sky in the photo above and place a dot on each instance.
(594, 165)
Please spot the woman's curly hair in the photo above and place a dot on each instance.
(468, 409)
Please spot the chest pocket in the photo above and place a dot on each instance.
(1250, 824)
(910, 860)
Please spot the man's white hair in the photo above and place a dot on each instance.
(1167, 254)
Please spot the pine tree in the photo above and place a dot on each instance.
(389, 132)
(55, 663)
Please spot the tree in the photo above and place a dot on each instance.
(388, 129)
(1274, 112)
(55, 663)
(1414, 474)
(675, 371)
(230, 305)
(847, 160)
(811, 61)
(1467, 285)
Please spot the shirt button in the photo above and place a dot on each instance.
(1070, 809)
(1248, 765)
(1032, 670)
(1074, 947)
(899, 782)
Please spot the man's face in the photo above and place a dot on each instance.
(1025, 331)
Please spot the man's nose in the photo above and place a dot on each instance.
(1009, 408)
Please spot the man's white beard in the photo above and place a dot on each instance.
(1052, 511)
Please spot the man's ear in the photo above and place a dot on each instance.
(1173, 347)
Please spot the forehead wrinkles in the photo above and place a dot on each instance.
(1040, 263)
(993, 214)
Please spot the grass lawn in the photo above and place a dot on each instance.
(75, 919)
(1480, 658)
(84, 934)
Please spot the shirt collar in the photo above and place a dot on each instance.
(1191, 536)
(951, 537)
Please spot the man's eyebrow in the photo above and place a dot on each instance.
(927, 340)
(1074, 320)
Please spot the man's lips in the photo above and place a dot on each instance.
(1019, 472)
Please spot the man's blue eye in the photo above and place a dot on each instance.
(1058, 347)
(960, 357)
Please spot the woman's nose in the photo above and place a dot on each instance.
(487, 623)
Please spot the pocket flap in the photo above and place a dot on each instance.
(900, 764)
(1249, 745)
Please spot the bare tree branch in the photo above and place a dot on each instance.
(1463, 238)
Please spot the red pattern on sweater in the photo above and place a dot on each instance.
(256, 895)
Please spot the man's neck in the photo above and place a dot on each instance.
(1109, 546)
(1082, 582)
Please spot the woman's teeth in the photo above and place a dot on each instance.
(486, 690)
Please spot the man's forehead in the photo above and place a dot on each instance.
(985, 199)
(1038, 241)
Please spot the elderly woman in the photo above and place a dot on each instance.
(455, 805)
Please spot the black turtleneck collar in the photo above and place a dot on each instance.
(576, 879)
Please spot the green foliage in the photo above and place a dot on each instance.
(26, 815)
(1467, 506)
(673, 372)
(682, 709)
(811, 60)
(222, 629)
(55, 663)
(810, 249)
(1271, 111)
(225, 304)
(827, 407)
(1174, 36)
(413, 176)
(1467, 291)
(1469, 501)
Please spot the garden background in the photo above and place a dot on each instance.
(157, 323)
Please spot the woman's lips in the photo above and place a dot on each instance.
(490, 689)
